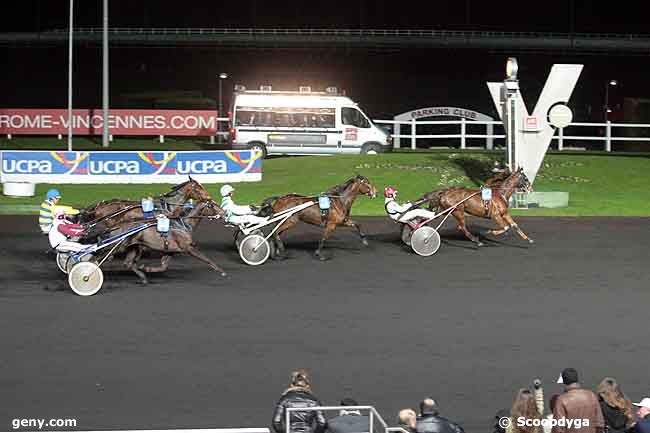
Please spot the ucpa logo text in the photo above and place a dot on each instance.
(26, 166)
(202, 167)
(114, 167)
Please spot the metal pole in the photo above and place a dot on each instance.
(105, 93)
(70, 77)
(220, 105)
(606, 101)
(608, 136)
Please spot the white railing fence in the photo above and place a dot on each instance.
(564, 137)
(376, 423)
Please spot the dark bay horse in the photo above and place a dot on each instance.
(341, 200)
(179, 240)
(496, 209)
(110, 213)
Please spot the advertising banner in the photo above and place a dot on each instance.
(130, 167)
(120, 122)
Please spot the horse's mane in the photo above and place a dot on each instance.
(175, 189)
(339, 189)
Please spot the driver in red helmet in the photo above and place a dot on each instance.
(403, 212)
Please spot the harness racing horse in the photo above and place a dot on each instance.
(341, 200)
(178, 241)
(116, 211)
(473, 204)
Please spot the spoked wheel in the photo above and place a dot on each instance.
(61, 261)
(425, 241)
(407, 232)
(85, 278)
(254, 249)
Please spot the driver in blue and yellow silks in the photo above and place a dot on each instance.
(48, 207)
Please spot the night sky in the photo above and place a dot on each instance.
(384, 82)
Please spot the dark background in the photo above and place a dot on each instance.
(384, 82)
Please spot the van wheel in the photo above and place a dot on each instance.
(258, 147)
(370, 149)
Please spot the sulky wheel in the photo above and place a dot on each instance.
(85, 278)
(71, 261)
(239, 235)
(254, 249)
(425, 241)
(61, 260)
(407, 232)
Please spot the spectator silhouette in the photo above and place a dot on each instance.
(617, 408)
(349, 421)
(407, 419)
(299, 395)
(524, 407)
(577, 404)
(430, 421)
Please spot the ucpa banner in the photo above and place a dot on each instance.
(130, 167)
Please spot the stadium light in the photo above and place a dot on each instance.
(607, 109)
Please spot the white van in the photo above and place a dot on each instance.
(303, 123)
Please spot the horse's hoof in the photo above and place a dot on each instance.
(322, 258)
(364, 241)
(144, 282)
(530, 241)
(223, 274)
(479, 244)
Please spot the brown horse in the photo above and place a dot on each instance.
(178, 241)
(496, 209)
(341, 200)
(109, 213)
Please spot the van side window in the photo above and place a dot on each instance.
(353, 117)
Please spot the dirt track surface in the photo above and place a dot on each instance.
(466, 326)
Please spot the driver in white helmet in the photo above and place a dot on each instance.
(402, 212)
(236, 214)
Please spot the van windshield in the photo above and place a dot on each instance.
(354, 117)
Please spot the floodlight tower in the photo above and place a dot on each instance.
(511, 88)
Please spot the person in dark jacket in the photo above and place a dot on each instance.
(643, 423)
(617, 408)
(349, 421)
(299, 395)
(430, 421)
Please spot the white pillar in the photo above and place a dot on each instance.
(413, 134)
(463, 130)
(489, 141)
(560, 140)
(608, 136)
(161, 138)
(397, 130)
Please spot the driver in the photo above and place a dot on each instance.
(403, 213)
(236, 214)
(61, 229)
